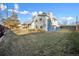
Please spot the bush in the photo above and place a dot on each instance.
(74, 38)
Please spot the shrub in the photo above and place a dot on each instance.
(74, 38)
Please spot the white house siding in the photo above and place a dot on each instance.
(40, 23)
(36, 24)
(46, 28)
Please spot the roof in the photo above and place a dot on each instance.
(28, 22)
(43, 14)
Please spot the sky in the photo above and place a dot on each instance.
(65, 12)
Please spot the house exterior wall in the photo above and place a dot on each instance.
(40, 22)
(45, 22)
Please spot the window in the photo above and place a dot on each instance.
(35, 20)
(40, 19)
(41, 27)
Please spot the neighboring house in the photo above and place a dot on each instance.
(45, 22)
(28, 25)
(69, 27)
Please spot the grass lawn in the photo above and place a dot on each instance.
(41, 44)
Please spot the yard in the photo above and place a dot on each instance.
(40, 44)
